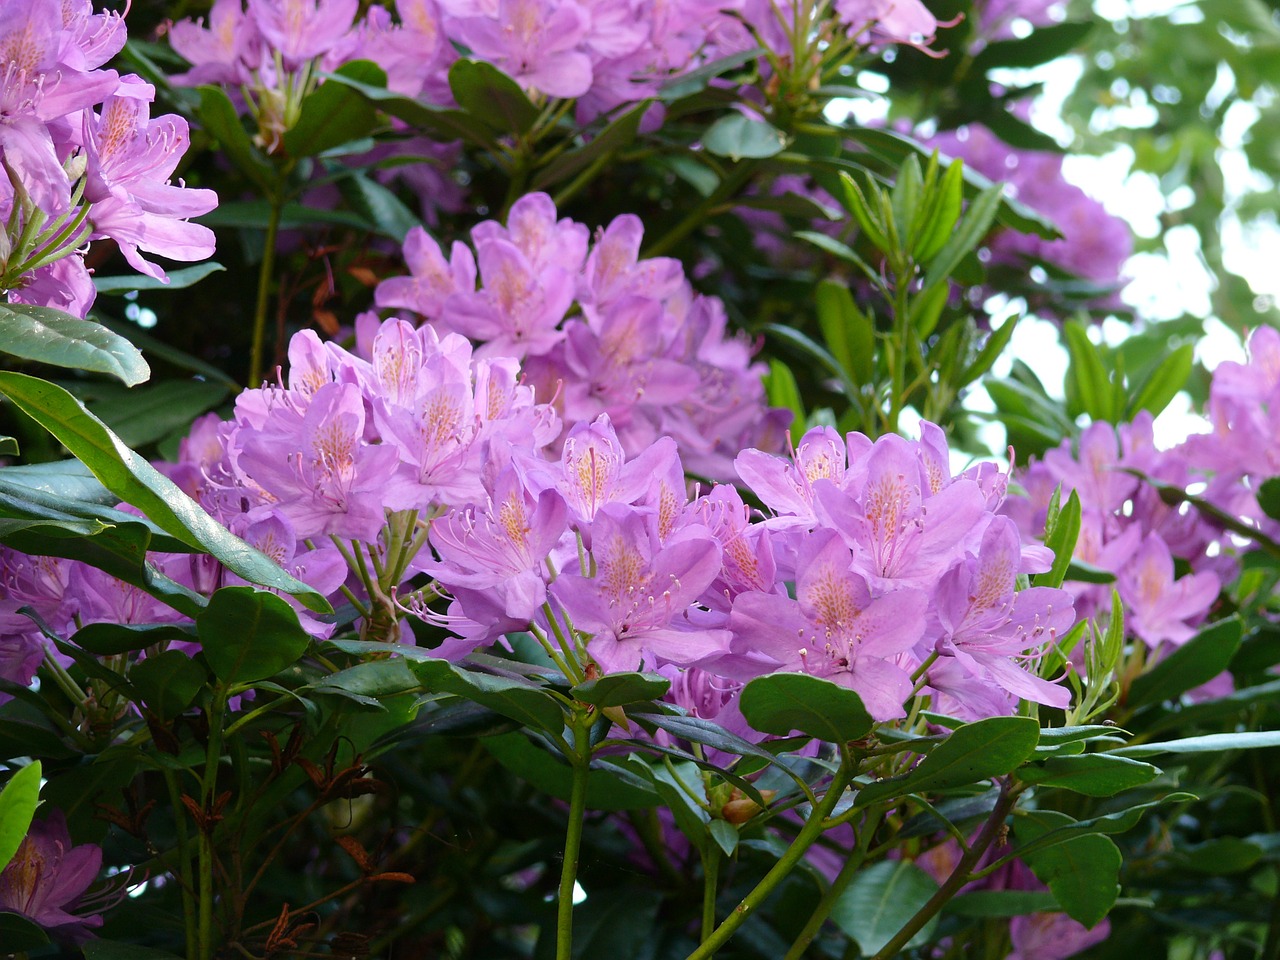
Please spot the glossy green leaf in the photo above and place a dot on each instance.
(370, 682)
(147, 414)
(219, 118)
(18, 802)
(1082, 572)
(1110, 823)
(705, 732)
(780, 703)
(178, 279)
(135, 481)
(941, 217)
(1081, 873)
(51, 336)
(8, 446)
(167, 682)
(973, 753)
(1088, 383)
(880, 901)
(523, 701)
(685, 84)
(492, 97)
(249, 634)
(333, 114)
(1093, 774)
(856, 201)
(739, 137)
(1197, 661)
(620, 689)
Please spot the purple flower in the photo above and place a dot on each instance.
(636, 605)
(1162, 610)
(835, 627)
(47, 877)
(534, 41)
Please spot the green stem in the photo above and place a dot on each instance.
(901, 325)
(834, 892)
(710, 880)
(812, 829)
(265, 271)
(208, 790)
(959, 876)
(579, 757)
(184, 854)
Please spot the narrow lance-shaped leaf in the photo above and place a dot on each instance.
(18, 801)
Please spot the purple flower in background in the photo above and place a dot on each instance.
(302, 29)
(1160, 608)
(47, 877)
(534, 41)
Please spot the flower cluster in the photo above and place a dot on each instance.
(639, 346)
(1094, 245)
(83, 158)
(1127, 530)
(904, 576)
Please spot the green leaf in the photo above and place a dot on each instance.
(18, 934)
(8, 446)
(689, 83)
(1093, 774)
(113, 639)
(943, 215)
(218, 116)
(1057, 736)
(1081, 872)
(618, 134)
(158, 349)
(1162, 384)
(178, 279)
(1082, 572)
(725, 835)
(1042, 45)
(782, 391)
(334, 114)
(848, 332)
(548, 774)
(445, 123)
(997, 340)
(620, 924)
(1002, 903)
(975, 752)
(869, 221)
(880, 901)
(249, 634)
(780, 703)
(370, 682)
(167, 682)
(1197, 661)
(1062, 541)
(1269, 497)
(1209, 743)
(1110, 823)
(973, 226)
(492, 97)
(705, 732)
(1088, 384)
(50, 336)
(620, 689)
(739, 137)
(382, 208)
(18, 802)
(1217, 856)
(148, 414)
(521, 700)
(135, 481)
